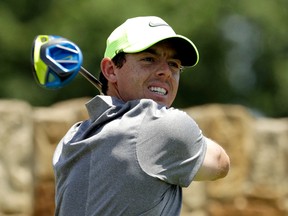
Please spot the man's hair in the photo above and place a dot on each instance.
(118, 60)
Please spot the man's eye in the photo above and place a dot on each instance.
(148, 59)
(175, 65)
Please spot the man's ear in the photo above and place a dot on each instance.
(108, 69)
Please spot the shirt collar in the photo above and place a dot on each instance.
(100, 104)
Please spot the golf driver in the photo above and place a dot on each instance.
(56, 61)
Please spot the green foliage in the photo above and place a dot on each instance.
(242, 44)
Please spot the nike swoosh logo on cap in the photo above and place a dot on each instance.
(155, 24)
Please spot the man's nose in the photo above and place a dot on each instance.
(164, 69)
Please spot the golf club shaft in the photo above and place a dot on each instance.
(92, 79)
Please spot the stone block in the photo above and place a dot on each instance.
(269, 172)
(51, 124)
(194, 200)
(16, 158)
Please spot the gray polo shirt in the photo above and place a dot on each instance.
(128, 159)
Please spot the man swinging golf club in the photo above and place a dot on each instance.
(135, 152)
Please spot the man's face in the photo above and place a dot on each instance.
(152, 74)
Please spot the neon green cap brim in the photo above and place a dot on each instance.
(140, 33)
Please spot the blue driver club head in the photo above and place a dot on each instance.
(55, 60)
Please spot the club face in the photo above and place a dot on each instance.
(55, 60)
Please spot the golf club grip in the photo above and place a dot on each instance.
(92, 79)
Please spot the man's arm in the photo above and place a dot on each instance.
(216, 163)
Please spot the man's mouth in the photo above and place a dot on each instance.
(158, 90)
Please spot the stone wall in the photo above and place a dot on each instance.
(258, 149)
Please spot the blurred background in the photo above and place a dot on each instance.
(243, 47)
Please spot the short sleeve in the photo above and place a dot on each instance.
(170, 146)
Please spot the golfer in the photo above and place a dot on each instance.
(135, 153)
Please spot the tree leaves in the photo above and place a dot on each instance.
(242, 44)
